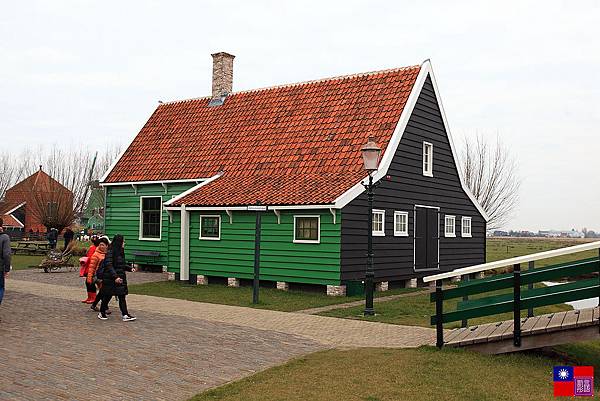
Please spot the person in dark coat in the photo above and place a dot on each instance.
(52, 237)
(68, 236)
(5, 256)
(114, 279)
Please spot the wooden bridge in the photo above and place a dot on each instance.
(485, 297)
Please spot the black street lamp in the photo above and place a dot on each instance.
(370, 154)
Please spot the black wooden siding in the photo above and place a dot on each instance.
(405, 188)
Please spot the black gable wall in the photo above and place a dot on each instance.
(406, 187)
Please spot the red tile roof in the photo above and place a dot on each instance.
(10, 221)
(293, 144)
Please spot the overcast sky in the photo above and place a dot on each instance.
(80, 73)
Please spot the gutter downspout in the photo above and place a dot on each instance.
(184, 263)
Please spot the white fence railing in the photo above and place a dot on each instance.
(514, 261)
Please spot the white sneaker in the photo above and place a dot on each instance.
(128, 318)
(101, 317)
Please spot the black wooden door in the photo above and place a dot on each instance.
(427, 234)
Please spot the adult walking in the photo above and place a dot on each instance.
(114, 279)
(68, 236)
(5, 254)
(95, 263)
(52, 237)
(90, 287)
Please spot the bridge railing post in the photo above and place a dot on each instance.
(439, 314)
(517, 305)
(465, 322)
(530, 287)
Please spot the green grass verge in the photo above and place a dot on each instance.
(416, 311)
(400, 374)
(504, 248)
(270, 298)
(20, 262)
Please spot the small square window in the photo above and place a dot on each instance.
(427, 159)
(466, 227)
(307, 229)
(401, 224)
(450, 226)
(210, 227)
(378, 223)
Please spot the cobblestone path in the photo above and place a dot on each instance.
(54, 348)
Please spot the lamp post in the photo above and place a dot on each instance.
(370, 153)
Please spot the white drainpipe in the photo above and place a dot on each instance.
(184, 267)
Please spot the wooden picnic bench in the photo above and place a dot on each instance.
(30, 248)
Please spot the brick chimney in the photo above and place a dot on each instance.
(222, 81)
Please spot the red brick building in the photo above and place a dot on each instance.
(21, 207)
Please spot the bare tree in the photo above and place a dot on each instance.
(76, 168)
(10, 172)
(491, 174)
(52, 204)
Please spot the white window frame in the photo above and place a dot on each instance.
(218, 216)
(382, 232)
(397, 232)
(446, 226)
(428, 169)
(141, 218)
(308, 241)
(462, 227)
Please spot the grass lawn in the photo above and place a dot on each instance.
(406, 374)
(20, 262)
(270, 298)
(415, 311)
(504, 248)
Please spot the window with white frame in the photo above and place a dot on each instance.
(401, 224)
(466, 227)
(428, 159)
(378, 222)
(210, 227)
(150, 218)
(450, 226)
(307, 229)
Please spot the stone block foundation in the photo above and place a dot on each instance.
(283, 286)
(233, 282)
(411, 283)
(382, 286)
(201, 280)
(171, 276)
(336, 290)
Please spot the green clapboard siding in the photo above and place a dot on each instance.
(123, 217)
(281, 258)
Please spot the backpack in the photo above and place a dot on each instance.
(100, 270)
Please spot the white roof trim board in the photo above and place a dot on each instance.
(21, 225)
(386, 160)
(110, 184)
(192, 189)
(11, 211)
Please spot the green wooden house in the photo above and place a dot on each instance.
(183, 192)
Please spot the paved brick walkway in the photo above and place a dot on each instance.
(176, 349)
(72, 279)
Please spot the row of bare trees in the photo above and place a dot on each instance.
(76, 169)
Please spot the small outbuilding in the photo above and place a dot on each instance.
(183, 192)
